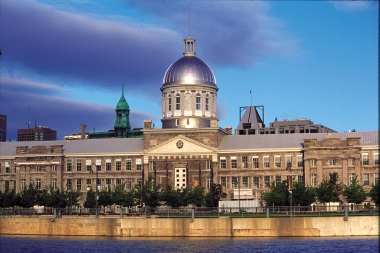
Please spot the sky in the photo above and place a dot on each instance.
(64, 63)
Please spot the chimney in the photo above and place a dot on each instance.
(82, 131)
(228, 129)
(147, 124)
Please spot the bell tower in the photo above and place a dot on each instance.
(122, 125)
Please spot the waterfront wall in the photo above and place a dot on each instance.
(184, 227)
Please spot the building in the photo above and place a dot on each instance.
(37, 133)
(3, 127)
(192, 149)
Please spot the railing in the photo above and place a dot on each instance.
(197, 212)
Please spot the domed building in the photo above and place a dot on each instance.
(189, 91)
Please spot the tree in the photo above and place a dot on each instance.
(213, 196)
(303, 195)
(197, 196)
(171, 196)
(355, 192)
(29, 196)
(277, 194)
(90, 199)
(329, 189)
(149, 194)
(9, 198)
(105, 197)
(55, 198)
(121, 197)
(374, 193)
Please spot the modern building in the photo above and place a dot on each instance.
(191, 147)
(3, 127)
(37, 133)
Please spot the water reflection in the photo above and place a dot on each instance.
(159, 244)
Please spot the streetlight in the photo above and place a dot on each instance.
(289, 168)
(71, 195)
(96, 192)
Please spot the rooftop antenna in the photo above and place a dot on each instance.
(189, 19)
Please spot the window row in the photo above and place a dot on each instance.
(177, 102)
(118, 165)
(248, 182)
(350, 161)
(276, 161)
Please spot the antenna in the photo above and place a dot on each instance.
(189, 19)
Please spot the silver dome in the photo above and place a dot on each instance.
(189, 70)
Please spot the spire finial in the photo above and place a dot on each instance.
(189, 20)
(122, 90)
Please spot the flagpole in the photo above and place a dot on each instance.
(250, 92)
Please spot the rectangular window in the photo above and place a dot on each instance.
(288, 160)
(118, 181)
(198, 102)
(22, 169)
(206, 103)
(313, 163)
(332, 162)
(138, 181)
(233, 162)
(223, 163)
(313, 180)
(351, 177)
(299, 161)
(266, 162)
(108, 183)
(169, 104)
(88, 182)
(6, 185)
(244, 162)
(39, 168)
(128, 164)
(365, 179)
(208, 183)
(54, 168)
(278, 179)
(255, 162)
(266, 181)
(365, 158)
(79, 184)
(256, 182)
(108, 164)
(244, 181)
(208, 165)
(376, 159)
(79, 165)
(223, 182)
(98, 163)
(178, 103)
(277, 161)
(376, 178)
(23, 184)
(99, 183)
(234, 182)
(69, 165)
(300, 178)
(138, 163)
(152, 166)
(38, 183)
(69, 184)
(350, 162)
(118, 164)
(88, 165)
(128, 184)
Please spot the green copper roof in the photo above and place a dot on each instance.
(122, 104)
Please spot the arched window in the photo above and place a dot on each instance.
(170, 103)
(178, 102)
(198, 102)
(207, 103)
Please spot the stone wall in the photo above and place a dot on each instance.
(230, 227)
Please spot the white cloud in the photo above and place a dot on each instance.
(350, 6)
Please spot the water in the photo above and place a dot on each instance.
(39, 244)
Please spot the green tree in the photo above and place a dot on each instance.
(9, 198)
(149, 193)
(277, 194)
(197, 196)
(90, 199)
(55, 198)
(213, 196)
(121, 197)
(355, 192)
(171, 196)
(303, 195)
(30, 196)
(374, 193)
(105, 197)
(329, 189)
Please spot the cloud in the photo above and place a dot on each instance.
(350, 6)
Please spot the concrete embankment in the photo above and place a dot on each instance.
(172, 227)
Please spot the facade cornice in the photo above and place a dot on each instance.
(270, 150)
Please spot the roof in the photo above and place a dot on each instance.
(279, 141)
(86, 146)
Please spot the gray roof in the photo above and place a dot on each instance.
(90, 146)
(271, 141)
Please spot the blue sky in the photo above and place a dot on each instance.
(64, 62)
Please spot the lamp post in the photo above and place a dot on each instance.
(96, 192)
(239, 192)
(71, 196)
(289, 168)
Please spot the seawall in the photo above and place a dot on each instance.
(184, 227)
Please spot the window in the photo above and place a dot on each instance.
(233, 162)
(255, 162)
(208, 183)
(313, 163)
(177, 122)
(313, 179)
(244, 161)
(365, 158)
(351, 177)
(266, 162)
(23, 184)
(108, 164)
(88, 165)
(98, 163)
(376, 178)
(108, 183)
(118, 181)
(376, 159)
(138, 181)
(79, 165)
(118, 164)
(88, 182)
(351, 162)
(152, 166)
(223, 163)
(223, 182)
(128, 164)
(208, 165)
(198, 102)
(277, 161)
(244, 181)
(266, 181)
(332, 162)
(79, 184)
(299, 161)
(365, 179)
(170, 103)
(99, 183)
(69, 184)
(54, 168)
(206, 103)
(39, 167)
(6, 185)
(278, 179)
(234, 182)
(300, 178)
(178, 102)
(38, 183)
(288, 160)
(256, 182)
(128, 184)
(22, 169)
(138, 163)
(69, 166)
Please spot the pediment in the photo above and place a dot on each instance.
(180, 145)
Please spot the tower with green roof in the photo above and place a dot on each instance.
(122, 125)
